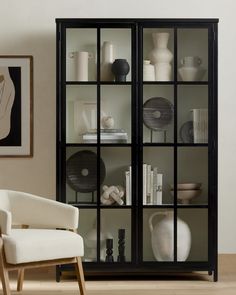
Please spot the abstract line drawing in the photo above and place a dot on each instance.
(7, 97)
(16, 106)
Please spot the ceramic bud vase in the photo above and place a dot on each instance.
(148, 71)
(82, 58)
(107, 60)
(120, 68)
(161, 56)
(162, 237)
(191, 69)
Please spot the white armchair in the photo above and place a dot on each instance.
(52, 240)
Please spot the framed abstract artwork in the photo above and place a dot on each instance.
(16, 106)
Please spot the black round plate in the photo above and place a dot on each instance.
(81, 171)
(157, 112)
(186, 132)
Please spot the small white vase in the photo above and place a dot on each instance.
(107, 60)
(161, 56)
(148, 71)
(191, 69)
(162, 237)
(82, 58)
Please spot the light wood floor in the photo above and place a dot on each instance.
(43, 283)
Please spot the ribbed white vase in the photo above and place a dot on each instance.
(161, 56)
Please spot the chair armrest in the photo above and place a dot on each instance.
(41, 212)
(5, 222)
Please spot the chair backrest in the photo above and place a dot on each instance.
(37, 211)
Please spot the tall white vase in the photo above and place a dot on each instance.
(162, 237)
(107, 60)
(161, 56)
(82, 65)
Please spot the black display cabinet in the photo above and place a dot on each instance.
(137, 142)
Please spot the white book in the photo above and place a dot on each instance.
(144, 184)
(151, 188)
(148, 181)
(155, 171)
(127, 186)
(196, 126)
(130, 187)
(205, 125)
(159, 188)
(200, 125)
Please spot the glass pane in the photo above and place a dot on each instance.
(81, 54)
(192, 229)
(158, 235)
(81, 114)
(116, 48)
(158, 173)
(115, 235)
(158, 52)
(193, 114)
(192, 175)
(192, 54)
(158, 114)
(81, 175)
(116, 114)
(88, 230)
(116, 175)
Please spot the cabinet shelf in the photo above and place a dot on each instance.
(115, 207)
(96, 144)
(192, 206)
(158, 82)
(165, 206)
(97, 82)
(171, 206)
(192, 82)
(173, 144)
(81, 83)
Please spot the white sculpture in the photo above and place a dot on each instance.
(162, 237)
(90, 240)
(107, 122)
(112, 194)
(7, 97)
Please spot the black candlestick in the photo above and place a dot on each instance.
(121, 245)
(109, 251)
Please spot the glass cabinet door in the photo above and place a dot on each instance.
(192, 188)
(98, 95)
(174, 99)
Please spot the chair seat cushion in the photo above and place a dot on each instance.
(29, 245)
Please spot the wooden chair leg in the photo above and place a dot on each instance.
(4, 272)
(20, 280)
(80, 275)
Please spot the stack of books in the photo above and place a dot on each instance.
(152, 185)
(200, 125)
(106, 136)
(128, 186)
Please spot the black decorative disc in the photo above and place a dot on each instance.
(186, 132)
(157, 112)
(81, 171)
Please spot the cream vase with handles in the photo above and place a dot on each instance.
(162, 237)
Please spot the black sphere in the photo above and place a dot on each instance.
(120, 68)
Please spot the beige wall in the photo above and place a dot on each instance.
(28, 27)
